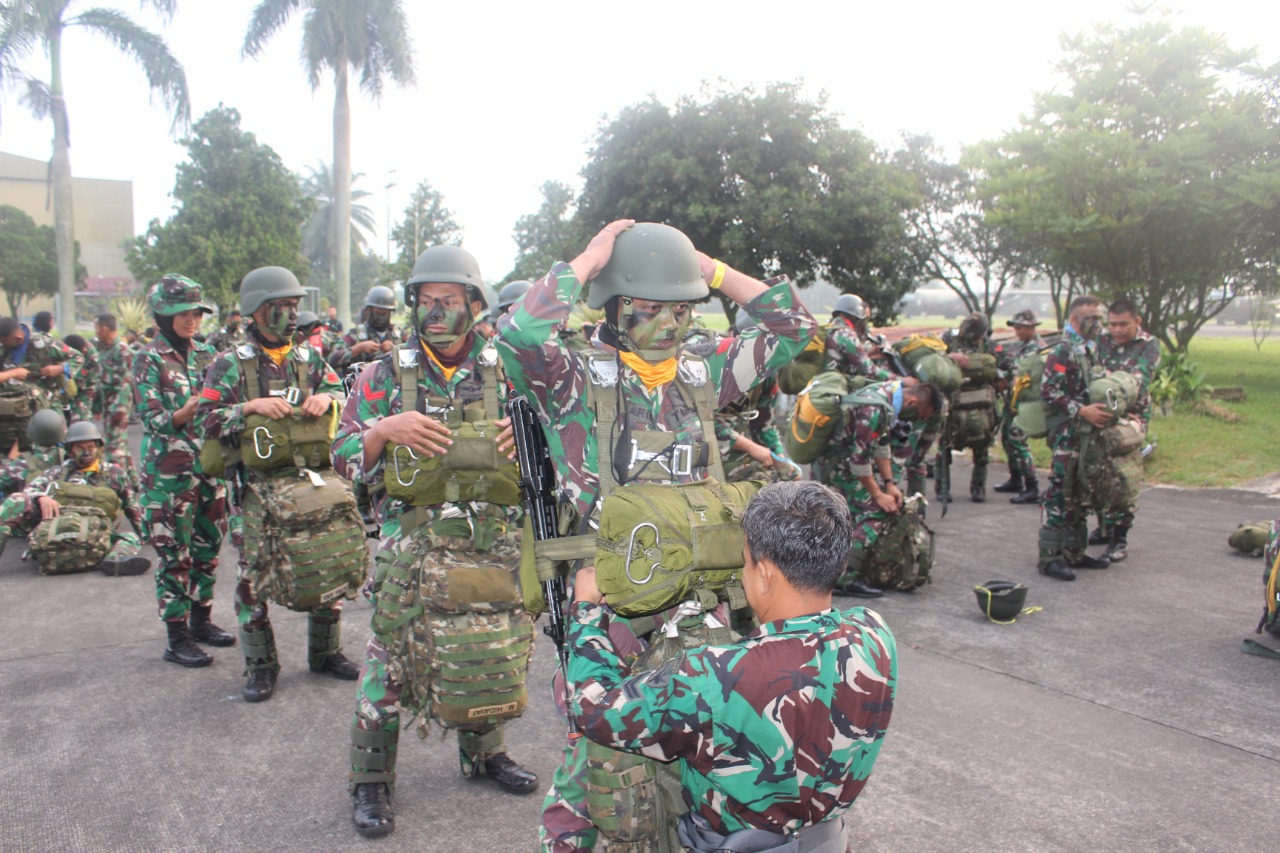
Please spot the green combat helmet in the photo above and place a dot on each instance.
(379, 296)
(267, 283)
(508, 296)
(175, 294)
(446, 264)
(47, 428)
(307, 321)
(84, 431)
(1001, 601)
(650, 261)
(852, 305)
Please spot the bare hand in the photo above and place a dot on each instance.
(316, 405)
(19, 373)
(269, 407)
(598, 251)
(425, 436)
(51, 370)
(49, 508)
(15, 451)
(1097, 414)
(584, 586)
(187, 412)
(365, 348)
(892, 489)
(387, 345)
(960, 359)
(507, 438)
(760, 453)
(888, 502)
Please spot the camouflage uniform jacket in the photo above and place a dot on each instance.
(88, 377)
(115, 390)
(377, 394)
(164, 380)
(41, 351)
(221, 408)
(846, 354)
(864, 434)
(108, 474)
(1007, 353)
(556, 379)
(777, 731)
(16, 472)
(224, 339)
(1141, 357)
(1068, 370)
(751, 415)
(340, 355)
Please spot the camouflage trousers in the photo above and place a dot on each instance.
(868, 518)
(116, 448)
(184, 519)
(20, 514)
(1062, 507)
(739, 467)
(1021, 464)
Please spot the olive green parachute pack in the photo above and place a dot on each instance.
(297, 441)
(18, 402)
(79, 537)
(973, 417)
(1117, 390)
(926, 357)
(1110, 466)
(1030, 411)
(800, 371)
(903, 555)
(982, 369)
(818, 413)
(1250, 537)
(472, 469)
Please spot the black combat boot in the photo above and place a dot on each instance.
(1058, 568)
(1051, 563)
(324, 645)
(978, 482)
(204, 631)
(119, 566)
(509, 775)
(371, 809)
(1029, 495)
(259, 686)
(1013, 485)
(1100, 535)
(850, 583)
(1074, 551)
(1119, 547)
(979, 494)
(260, 662)
(181, 649)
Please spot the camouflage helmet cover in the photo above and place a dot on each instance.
(175, 294)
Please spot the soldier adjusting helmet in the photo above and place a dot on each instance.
(47, 428)
(175, 294)
(851, 304)
(650, 261)
(267, 283)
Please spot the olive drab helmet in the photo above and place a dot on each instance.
(1001, 601)
(446, 264)
(267, 283)
(174, 294)
(852, 305)
(508, 296)
(379, 296)
(84, 431)
(650, 261)
(307, 320)
(47, 428)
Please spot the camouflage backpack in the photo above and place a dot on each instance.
(79, 537)
(973, 417)
(800, 371)
(902, 557)
(18, 402)
(1110, 466)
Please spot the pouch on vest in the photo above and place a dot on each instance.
(298, 441)
(799, 372)
(307, 539)
(83, 495)
(216, 458)
(902, 557)
(76, 540)
(660, 545)
(925, 356)
(1117, 390)
(1111, 466)
(471, 470)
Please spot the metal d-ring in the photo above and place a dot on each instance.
(631, 544)
(257, 447)
(395, 457)
(1111, 400)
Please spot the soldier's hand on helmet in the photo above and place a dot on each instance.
(51, 370)
(888, 502)
(316, 405)
(1097, 414)
(365, 348)
(269, 407)
(49, 508)
(507, 438)
(424, 435)
(584, 586)
(960, 359)
(598, 251)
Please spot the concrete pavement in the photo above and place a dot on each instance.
(1119, 716)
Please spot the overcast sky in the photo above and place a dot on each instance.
(510, 94)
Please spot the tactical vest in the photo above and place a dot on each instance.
(299, 441)
(472, 469)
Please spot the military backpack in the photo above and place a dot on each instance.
(1117, 390)
(800, 371)
(926, 357)
(1030, 411)
(1110, 465)
(818, 413)
(18, 402)
(79, 537)
(1250, 537)
(902, 557)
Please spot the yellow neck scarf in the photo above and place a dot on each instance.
(447, 371)
(92, 469)
(652, 375)
(278, 354)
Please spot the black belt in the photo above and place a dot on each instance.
(697, 835)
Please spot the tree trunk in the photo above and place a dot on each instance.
(64, 239)
(342, 193)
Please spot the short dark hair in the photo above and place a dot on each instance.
(926, 392)
(804, 528)
(1084, 300)
(43, 321)
(107, 321)
(234, 312)
(8, 326)
(1123, 305)
(76, 342)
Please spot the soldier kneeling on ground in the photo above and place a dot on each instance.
(70, 512)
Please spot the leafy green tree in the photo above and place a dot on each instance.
(768, 181)
(1153, 170)
(548, 236)
(239, 208)
(427, 222)
(370, 36)
(28, 23)
(320, 228)
(26, 268)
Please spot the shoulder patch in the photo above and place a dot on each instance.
(212, 394)
(370, 394)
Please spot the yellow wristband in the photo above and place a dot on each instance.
(718, 278)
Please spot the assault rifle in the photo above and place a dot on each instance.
(537, 484)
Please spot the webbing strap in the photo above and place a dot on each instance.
(605, 402)
(705, 406)
(373, 738)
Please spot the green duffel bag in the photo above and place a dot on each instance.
(659, 545)
(1251, 537)
(76, 540)
(472, 470)
(1111, 466)
(799, 372)
(981, 369)
(299, 441)
(1032, 418)
(1118, 391)
(926, 357)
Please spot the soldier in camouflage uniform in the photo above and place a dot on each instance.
(639, 340)
(1022, 467)
(858, 463)
(452, 365)
(846, 341)
(1125, 346)
(1068, 369)
(269, 296)
(86, 379)
(230, 336)
(113, 400)
(1270, 621)
(20, 513)
(46, 431)
(184, 510)
(758, 760)
(750, 444)
(970, 338)
(373, 336)
(49, 362)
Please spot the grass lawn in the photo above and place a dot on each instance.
(1196, 448)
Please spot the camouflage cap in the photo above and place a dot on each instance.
(1025, 317)
(174, 294)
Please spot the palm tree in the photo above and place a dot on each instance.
(27, 23)
(371, 36)
(319, 229)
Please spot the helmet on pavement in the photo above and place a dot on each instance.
(650, 261)
(1001, 601)
(84, 431)
(47, 427)
(175, 294)
(452, 264)
(267, 283)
